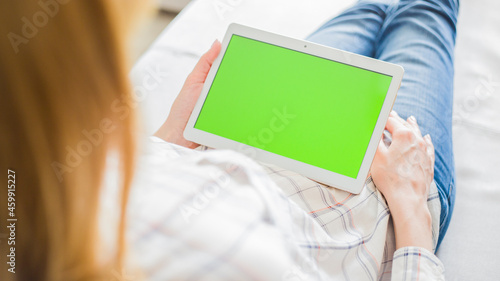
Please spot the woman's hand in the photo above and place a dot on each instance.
(172, 130)
(403, 172)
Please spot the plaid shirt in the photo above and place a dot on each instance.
(217, 215)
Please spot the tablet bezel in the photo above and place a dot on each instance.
(315, 173)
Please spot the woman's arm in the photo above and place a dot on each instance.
(403, 172)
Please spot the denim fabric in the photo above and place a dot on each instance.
(420, 36)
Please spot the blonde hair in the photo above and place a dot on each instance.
(62, 68)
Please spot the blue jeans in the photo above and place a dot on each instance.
(420, 36)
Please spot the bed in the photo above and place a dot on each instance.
(470, 250)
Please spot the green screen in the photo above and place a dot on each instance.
(300, 106)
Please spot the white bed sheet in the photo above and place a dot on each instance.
(470, 250)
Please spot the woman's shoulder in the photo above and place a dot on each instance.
(198, 205)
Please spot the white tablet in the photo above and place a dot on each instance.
(308, 108)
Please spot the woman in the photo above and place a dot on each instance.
(215, 214)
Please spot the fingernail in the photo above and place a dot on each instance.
(413, 119)
(429, 137)
(393, 113)
(215, 42)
